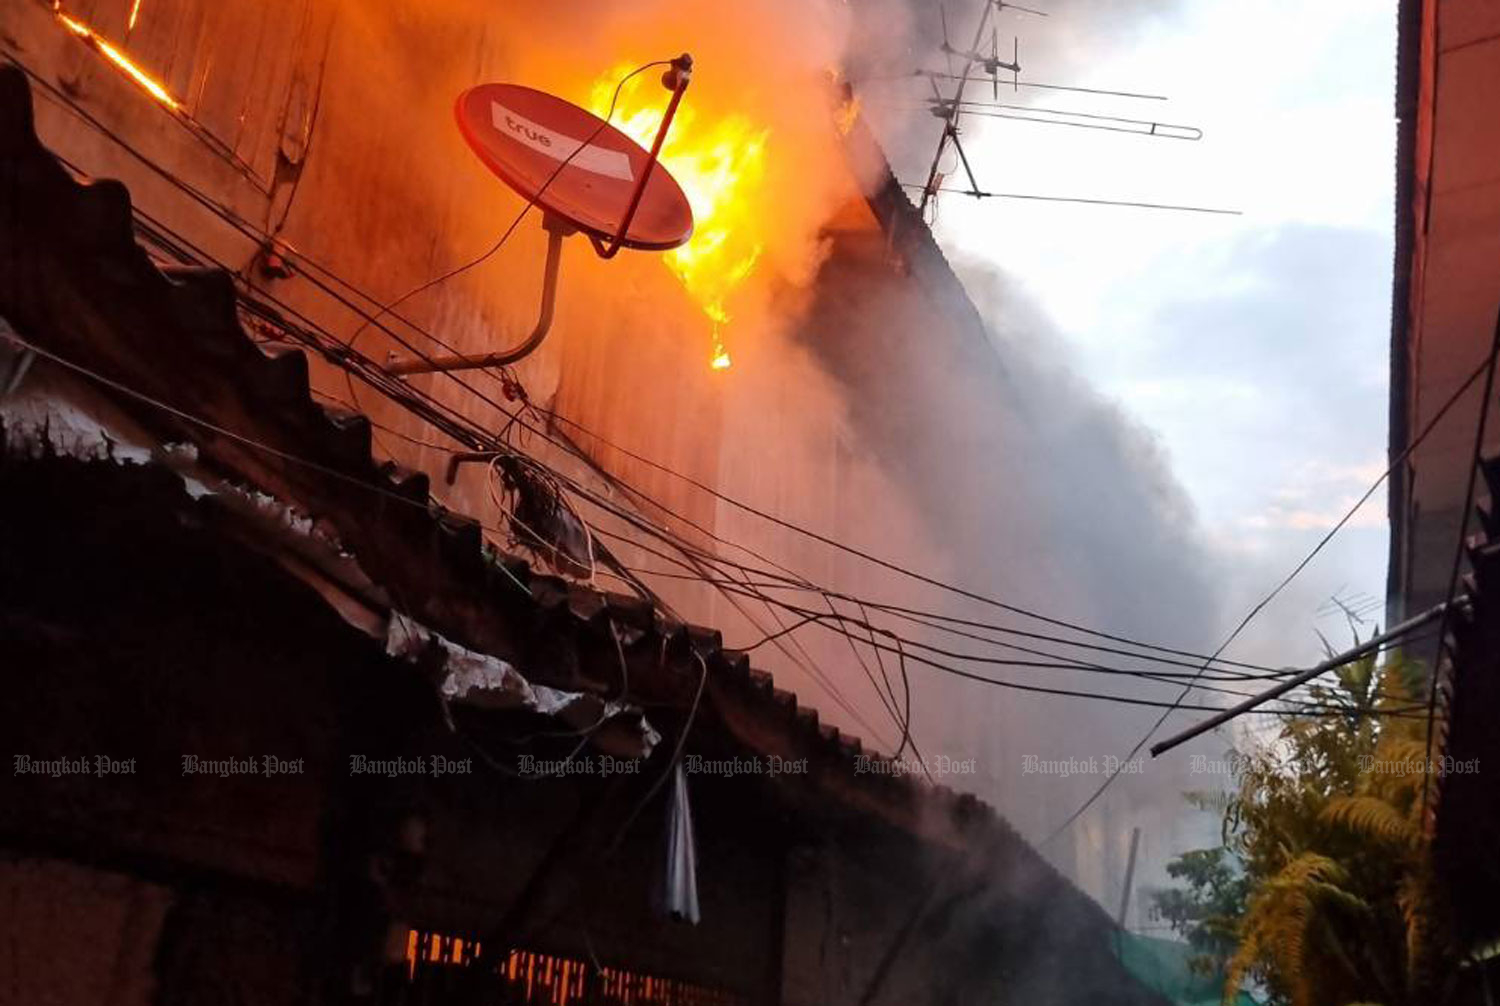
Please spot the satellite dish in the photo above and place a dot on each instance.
(523, 135)
(586, 176)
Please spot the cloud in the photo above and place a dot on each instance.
(1275, 517)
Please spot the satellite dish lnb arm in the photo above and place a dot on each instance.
(676, 80)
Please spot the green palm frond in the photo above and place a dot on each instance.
(1374, 818)
(1274, 931)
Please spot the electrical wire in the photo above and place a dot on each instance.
(866, 724)
(808, 616)
(249, 231)
(817, 618)
(867, 557)
(1260, 606)
(219, 210)
(820, 619)
(828, 595)
(288, 456)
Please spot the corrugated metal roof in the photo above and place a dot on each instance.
(74, 281)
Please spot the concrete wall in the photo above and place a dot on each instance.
(1451, 268)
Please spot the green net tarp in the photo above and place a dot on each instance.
(1165, 966)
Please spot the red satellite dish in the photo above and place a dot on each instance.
(523, 135)
(586, 176)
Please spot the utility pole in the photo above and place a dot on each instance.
(1135, 844)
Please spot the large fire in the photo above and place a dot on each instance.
(720, 164)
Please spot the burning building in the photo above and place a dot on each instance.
(366, 688)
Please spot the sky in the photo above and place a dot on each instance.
(1252, 349)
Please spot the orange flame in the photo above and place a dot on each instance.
(847, 114)
(719, 165)
(148, 83)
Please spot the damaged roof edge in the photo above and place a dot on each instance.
(51, 416)
(909, 235)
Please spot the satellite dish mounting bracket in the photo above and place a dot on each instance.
(557, 228)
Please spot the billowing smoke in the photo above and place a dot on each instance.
(1032, 488)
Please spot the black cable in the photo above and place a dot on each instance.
(821, 619)
(696, 574)
(876, 690)
(1348, 515)
(337, 474)
(250, 232)
(857, 553)
(224, 213)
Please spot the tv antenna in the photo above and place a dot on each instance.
(1028, 84)
(584, 174)
(943, 108)
(992, 64)
(979, 66)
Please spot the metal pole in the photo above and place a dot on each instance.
(1135, 845)
(680, 75)
(1363, 649)
(557, 229)
(963, 80)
